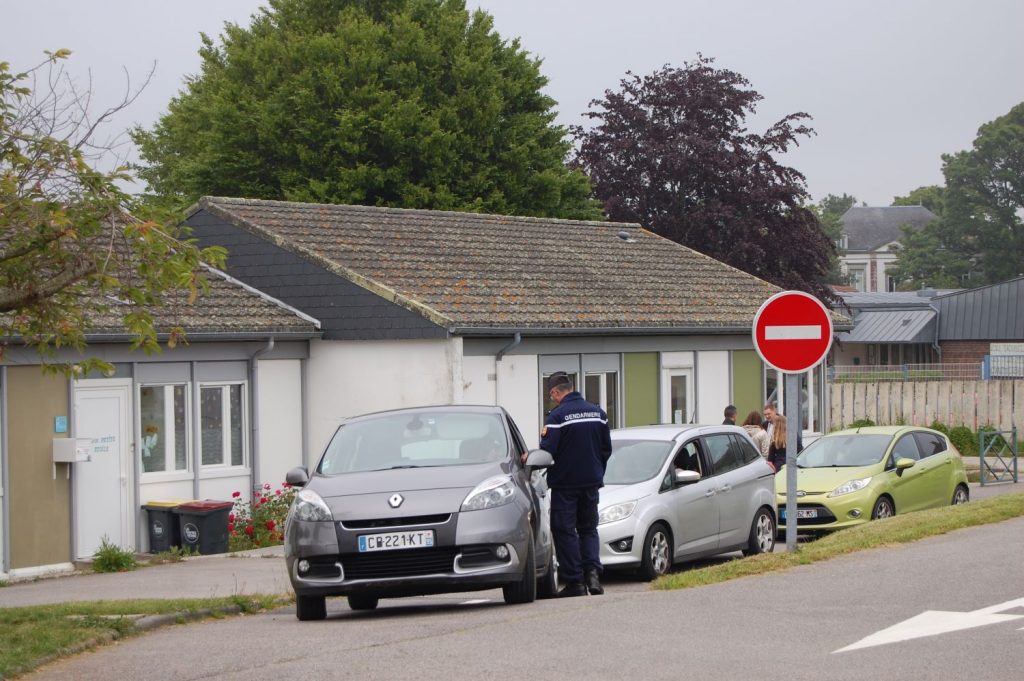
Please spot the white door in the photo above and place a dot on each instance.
(103, 487)
(677, 395)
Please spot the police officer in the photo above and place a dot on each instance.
(576, 433)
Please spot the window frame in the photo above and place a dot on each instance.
(168, 472)
(710, 459)
(920, 435)
(225, 463)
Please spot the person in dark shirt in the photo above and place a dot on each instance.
(577, 436)
(730, 416)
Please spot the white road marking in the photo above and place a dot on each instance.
(812, 332)
(934, 622)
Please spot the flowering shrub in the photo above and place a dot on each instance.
(261, 522)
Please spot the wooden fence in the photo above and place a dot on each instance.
(970, 403)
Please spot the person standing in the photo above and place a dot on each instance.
(730, 416)
(577, 436)
(752, 425)
(777, 446)
(770, 412)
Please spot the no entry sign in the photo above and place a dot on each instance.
(792, 331)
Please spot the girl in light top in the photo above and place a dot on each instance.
(753, 427)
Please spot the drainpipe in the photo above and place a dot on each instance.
(254, 469)
(935, 343)
(516, 340)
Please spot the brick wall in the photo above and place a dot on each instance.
(963, 352)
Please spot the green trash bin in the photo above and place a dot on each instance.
(164, 531)
(204, 525)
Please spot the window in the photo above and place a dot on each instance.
(745, 450)
(930, 444)
(163, 428)
(677, 395)
(222, 424)
(906, 448)
(722, 453)
(688, 457)
(545, 398)
(602, 390)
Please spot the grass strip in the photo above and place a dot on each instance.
(901, 529)
(31, 636)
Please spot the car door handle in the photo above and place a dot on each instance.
(725, 488)
(709, 493)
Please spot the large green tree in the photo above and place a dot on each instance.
(671, 150)
(932, 197)
(407, 103)
(979, 236)
(73, 249)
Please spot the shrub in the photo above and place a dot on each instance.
(941, 427)
(862, 423)
(112, 558)
(964, 439)
(261, 522)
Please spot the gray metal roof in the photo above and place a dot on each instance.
(892, 326)
(993, 313)
(870, 227)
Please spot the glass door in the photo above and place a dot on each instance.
(677, 396)
(601, 388)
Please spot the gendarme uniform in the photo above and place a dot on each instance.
(576, 433)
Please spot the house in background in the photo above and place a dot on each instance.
(889, 329)
(422, 307)
(868, 233)
(219, 414)
(988, 320)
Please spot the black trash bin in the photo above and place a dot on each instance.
(164, 532)
(204, 525)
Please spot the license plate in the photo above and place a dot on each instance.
(800, 513)
(392, 541)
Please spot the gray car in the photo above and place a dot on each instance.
(420, 501)
(680, 492)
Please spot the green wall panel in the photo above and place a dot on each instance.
(641, 388)
(746, 383)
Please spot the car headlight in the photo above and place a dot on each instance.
(851, 486)
(616, 512)
(309, 505)
(489, 494)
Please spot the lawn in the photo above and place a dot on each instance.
(900, 529)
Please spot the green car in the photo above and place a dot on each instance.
(852, 476)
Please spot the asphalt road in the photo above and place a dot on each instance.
(781, 626)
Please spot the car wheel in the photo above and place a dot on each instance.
(883, 509)
(525, 590)
(961, 495)
(656, 559)
(308, 608)
(762, 534)
(547, 586)
(365, 601)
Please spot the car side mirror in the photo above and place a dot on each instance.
(685, 477)
(297, 477)
(540, 458)
(903, 464)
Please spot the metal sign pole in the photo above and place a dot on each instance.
(793, 428)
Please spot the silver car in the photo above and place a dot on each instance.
(420, 501)
(680, 492)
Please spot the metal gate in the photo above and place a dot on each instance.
(998, 455)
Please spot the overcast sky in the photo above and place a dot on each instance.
(891, 84)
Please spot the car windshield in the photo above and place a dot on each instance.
(634, 461)
(844, 451)
(415, 440)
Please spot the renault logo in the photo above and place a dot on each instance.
(396, 500)
(801, 493)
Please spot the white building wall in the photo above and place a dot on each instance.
(348, 378)
(479, 380)
(518, 391)
(714, 385)
(280, 419)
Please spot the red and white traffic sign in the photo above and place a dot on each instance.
(792, 331)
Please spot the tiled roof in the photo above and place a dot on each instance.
(468, 271)
(228, 308)
(871, 227)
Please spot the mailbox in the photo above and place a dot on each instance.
(70, 450)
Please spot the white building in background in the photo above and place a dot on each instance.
(868, 234)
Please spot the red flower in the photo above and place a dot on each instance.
(270, 525)
(236, 494)
(248, 530)
(231, 528)
(231, 517)
(286, 484)
(266, 485)
(278, 492)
